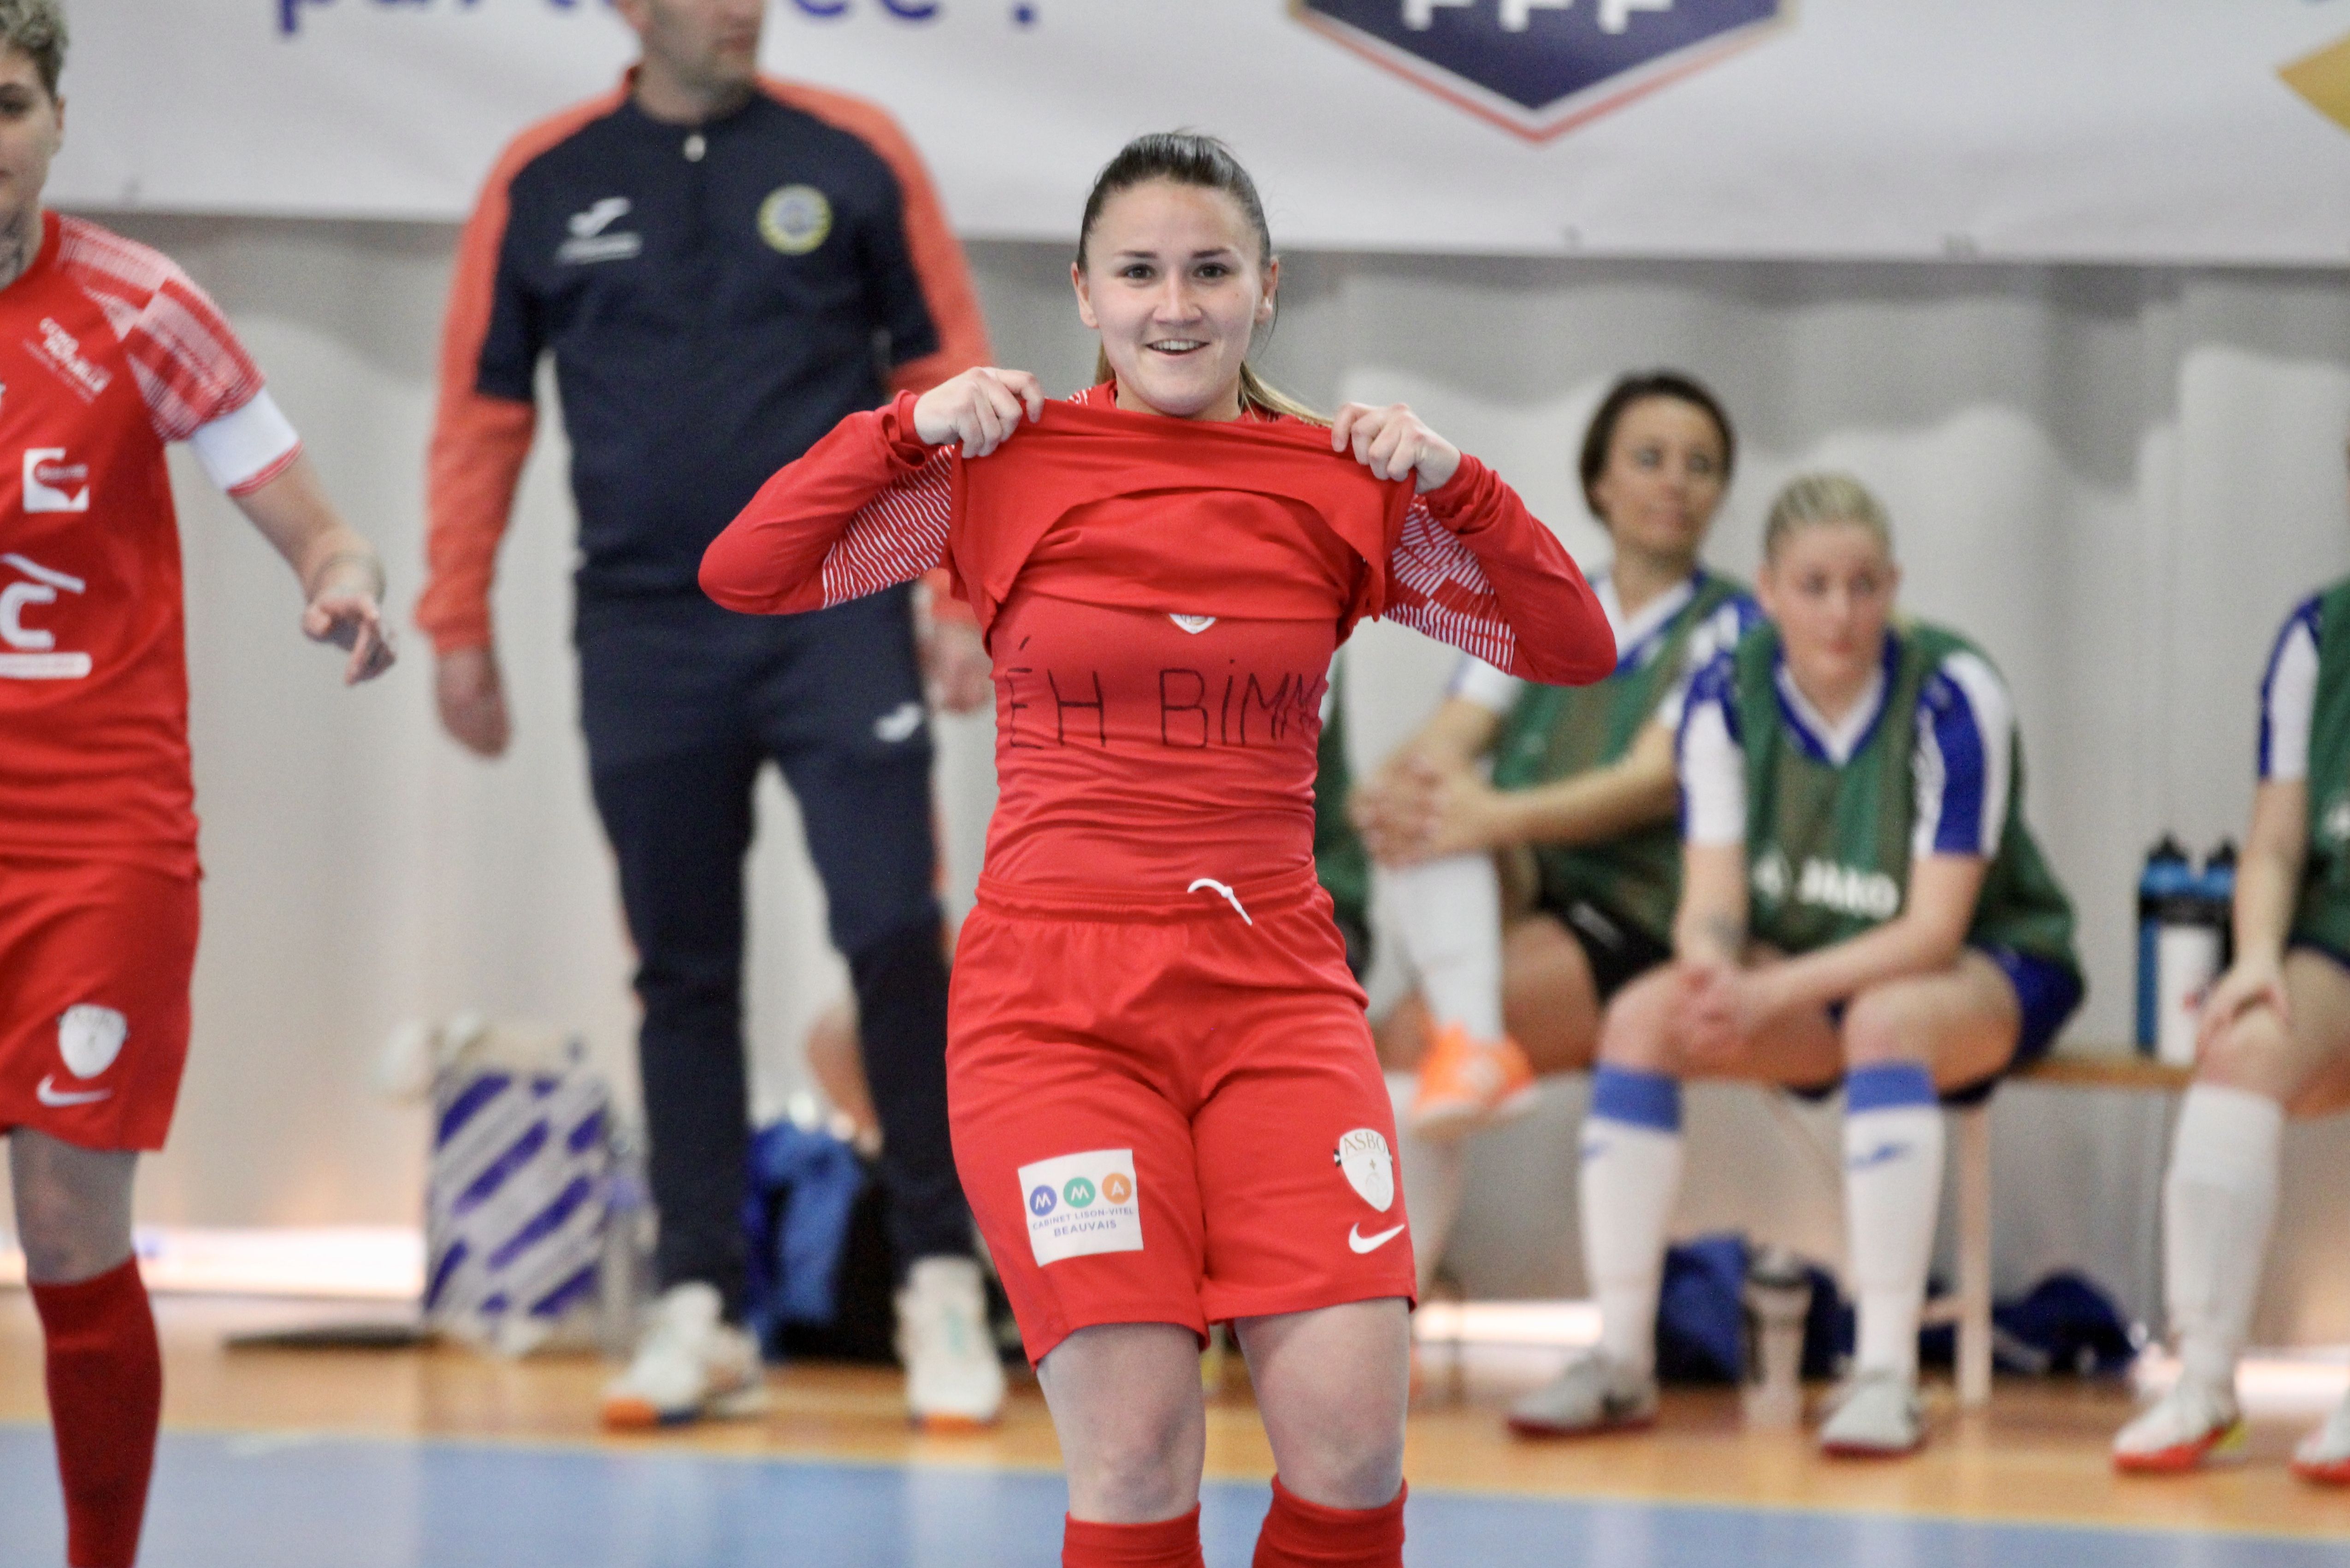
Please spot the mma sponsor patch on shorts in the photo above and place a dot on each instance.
(1082, 1203)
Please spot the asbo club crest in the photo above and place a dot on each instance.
(1541, 68)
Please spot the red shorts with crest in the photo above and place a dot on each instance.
(94, 961)
(1170, 1111)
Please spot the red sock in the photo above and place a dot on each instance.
(1301, 1534)
(106, 1398)
(1168, 1543)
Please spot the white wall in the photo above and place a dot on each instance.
(2116, 479)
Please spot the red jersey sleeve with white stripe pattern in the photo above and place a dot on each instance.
(864, 509)
(199, 384)
(1472, 568)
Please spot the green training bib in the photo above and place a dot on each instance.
(1828, 847)
(1557, 731)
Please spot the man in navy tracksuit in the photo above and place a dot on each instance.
(724, 266)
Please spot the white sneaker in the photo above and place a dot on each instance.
(1596, 1393)
(954, 1378)
(1877, 1416)
(2323, 1456)
(689, 1364)
(2177, 1431)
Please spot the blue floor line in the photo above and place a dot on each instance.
(264, 1500)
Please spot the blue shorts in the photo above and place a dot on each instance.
(2047, 993)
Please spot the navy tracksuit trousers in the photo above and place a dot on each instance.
(682, 703)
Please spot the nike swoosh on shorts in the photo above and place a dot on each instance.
(50, 1095)
(1362, 1243)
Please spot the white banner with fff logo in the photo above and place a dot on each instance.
(2191, 130)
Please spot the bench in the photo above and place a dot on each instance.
(1969, 1307)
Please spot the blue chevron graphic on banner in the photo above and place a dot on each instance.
(1541, 68)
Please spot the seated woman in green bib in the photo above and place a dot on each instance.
(1861, 901)
(2274, 1041)
(1580, 804)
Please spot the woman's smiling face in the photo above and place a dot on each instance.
(1173, 280)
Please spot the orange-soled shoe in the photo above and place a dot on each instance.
(690, 1364)
(2180, 1431)
(1465, 1082)
(2323, 1456)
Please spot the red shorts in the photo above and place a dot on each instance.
(95, 960)
(1170, 1113)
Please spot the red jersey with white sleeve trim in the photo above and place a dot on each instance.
(108, 352)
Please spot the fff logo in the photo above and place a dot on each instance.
(1541, 68)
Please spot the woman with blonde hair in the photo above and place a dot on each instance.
(1861, 903)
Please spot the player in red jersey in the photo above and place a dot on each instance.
(1167, 1110)
(108, 353)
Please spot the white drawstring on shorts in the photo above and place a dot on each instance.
(1229, 896)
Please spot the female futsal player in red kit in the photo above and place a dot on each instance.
(1167, 1110)
(108, 353)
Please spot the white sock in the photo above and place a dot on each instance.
(1892, 1195)
(2218, 1203)
(1631, 1177)
(1447, 916)
(1431, 1173)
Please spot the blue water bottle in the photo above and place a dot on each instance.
(2168, 880)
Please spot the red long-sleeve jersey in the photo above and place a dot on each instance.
(1161, 598)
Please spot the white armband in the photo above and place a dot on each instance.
(247, 447)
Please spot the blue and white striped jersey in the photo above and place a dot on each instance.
(1963, 767)
(1637, 639)
(2289, 694)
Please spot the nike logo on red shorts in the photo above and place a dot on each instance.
(52, 1096)
(1362, 1243)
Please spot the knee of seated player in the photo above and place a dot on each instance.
(1401, 1034)
(1886, 1023)
(1636, 1029)
(2254, 1050)
(73, 1208)
(1549, 1003)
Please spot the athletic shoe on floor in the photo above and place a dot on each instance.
(2175, 1433)
(954, 1378)
(1596, 1393)
(2323, 1456)
(1877, 1416)
(689, 1364)
(1464, 1083)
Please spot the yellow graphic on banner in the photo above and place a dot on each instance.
(2323, 80)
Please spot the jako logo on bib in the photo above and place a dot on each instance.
(1081, 1204)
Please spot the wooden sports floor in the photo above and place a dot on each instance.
(437, 1456)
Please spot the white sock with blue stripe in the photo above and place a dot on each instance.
(1892, 1195)
(1631, 1178)
(1446, 915)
